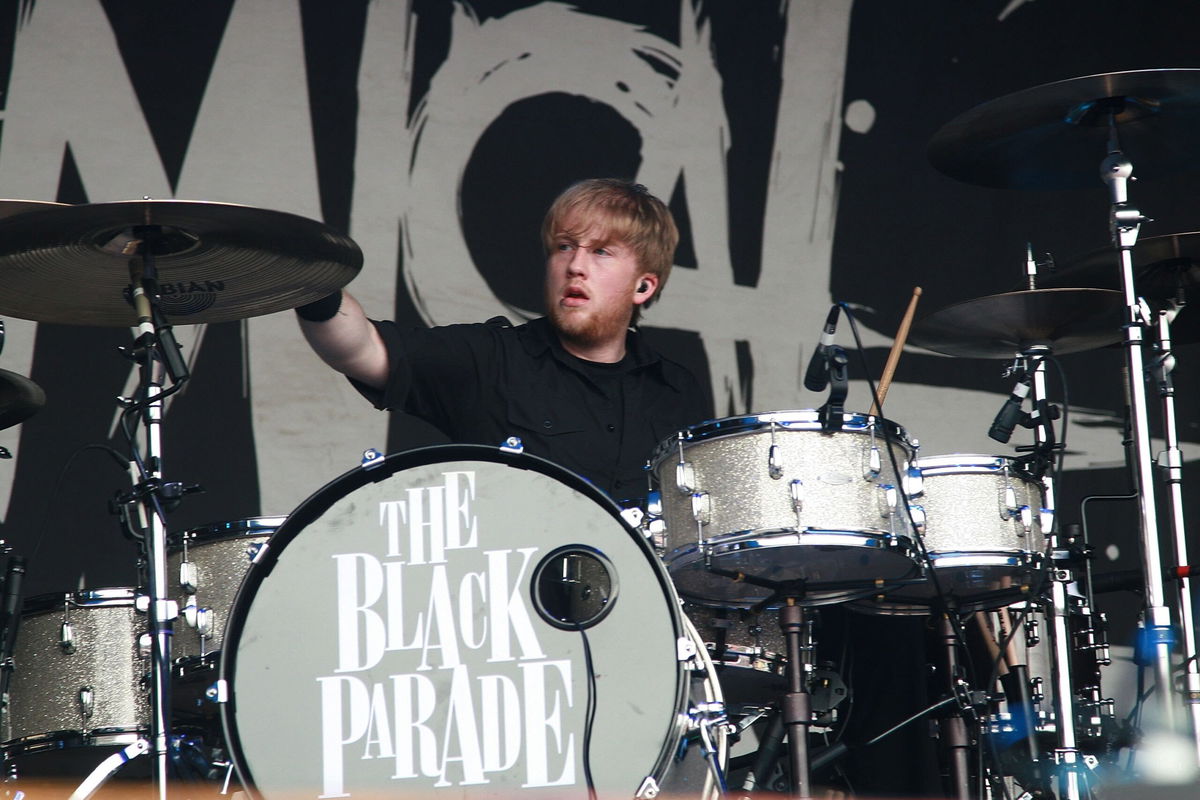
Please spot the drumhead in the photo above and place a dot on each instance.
(454, 617)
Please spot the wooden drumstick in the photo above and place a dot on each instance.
(889, 368)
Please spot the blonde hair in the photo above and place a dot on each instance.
(619, 211)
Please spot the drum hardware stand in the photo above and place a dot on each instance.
(1171, 464)
(1124, 221)
(1067, 754)
(796, 704)
(158, 355)
(957, 741)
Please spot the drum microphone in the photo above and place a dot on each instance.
(1010, 413)
(817, 376)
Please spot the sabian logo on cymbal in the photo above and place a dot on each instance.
(189, 297)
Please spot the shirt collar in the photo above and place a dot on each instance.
(541, 337)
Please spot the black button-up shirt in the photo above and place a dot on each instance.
(482, 383)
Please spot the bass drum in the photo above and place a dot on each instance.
(464, 618)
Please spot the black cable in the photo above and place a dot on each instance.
(589, 715)
(939, 592)
(43, 525)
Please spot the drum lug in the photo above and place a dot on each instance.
(1031, 632)
(887, 500)
(701, 507)
(1009, 509)
(685, 649)
(66, 638)
(513, 446)
(685, 477)
(1026, 514)
(145, 645)
(874, 462)
(87, 702)
(204, 622)
(796, 489)
(774, 469)
(633, 516)
(187, 576)
(1046, 518)
(648, 790)
(189, 611)
(914, 482)
(918, 516)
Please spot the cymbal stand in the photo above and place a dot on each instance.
(1171, 463)
(152, 353)
(1124, 222)
(1066, 755)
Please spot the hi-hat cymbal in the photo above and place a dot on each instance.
(1054, 136)
(20, 398)
(1002, 325)
(216, 262)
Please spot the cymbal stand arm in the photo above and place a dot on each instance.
(1171, 464)
(1125, 220)
(161, 610)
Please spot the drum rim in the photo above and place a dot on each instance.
(796, 420)
(242, 527)
(109, 597)
(310, 509)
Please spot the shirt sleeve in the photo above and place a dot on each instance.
(434, 373)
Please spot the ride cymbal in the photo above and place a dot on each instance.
(20, 399)
(1054, 136)
(1002, 325)
(215, 262)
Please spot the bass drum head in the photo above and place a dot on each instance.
(454, 618)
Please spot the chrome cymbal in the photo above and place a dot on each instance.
(216, 262)
(1002, 325)
(1054, 136)
(20, 398)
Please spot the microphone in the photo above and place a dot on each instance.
(817, 376)
(10, 612)
(1010, 413)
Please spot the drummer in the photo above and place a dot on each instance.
(581, 386)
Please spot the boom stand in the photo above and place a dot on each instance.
(1124, 221)
(1172, 468)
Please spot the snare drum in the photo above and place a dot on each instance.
(775, 497)
(465, 617)
(81, 680)
(983, 522)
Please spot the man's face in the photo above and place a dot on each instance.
(592, 286)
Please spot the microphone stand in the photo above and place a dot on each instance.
(832, 413)
(1171, 463)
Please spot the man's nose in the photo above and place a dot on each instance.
(577, 264)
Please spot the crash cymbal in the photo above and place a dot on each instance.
(216, 262)
(20, 398)
(10, 208)
(1054, 136)
(1002, 325)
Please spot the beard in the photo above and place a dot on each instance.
(592, 327)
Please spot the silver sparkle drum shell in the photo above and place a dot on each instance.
(983, 522)
(381, 646)
(80, 677)
(777, 498)
(206, 566)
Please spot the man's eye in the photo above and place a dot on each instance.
(601, 251)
